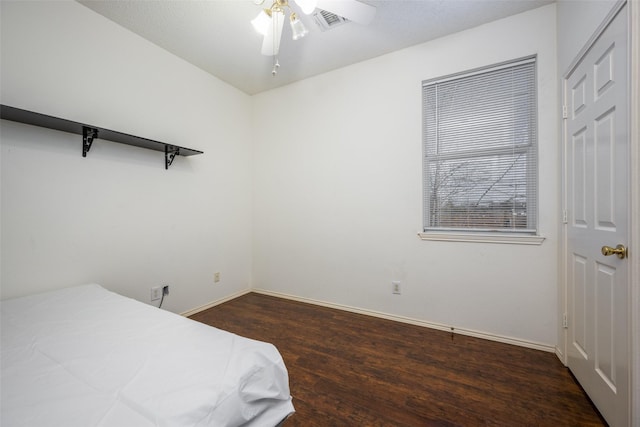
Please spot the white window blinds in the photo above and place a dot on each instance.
(480, 150)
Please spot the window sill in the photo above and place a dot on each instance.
(483, 238)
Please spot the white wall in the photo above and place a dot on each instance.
(338, 194)
(117, 217)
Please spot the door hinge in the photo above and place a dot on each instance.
(565, 113)
(565, 216)
(565, 321)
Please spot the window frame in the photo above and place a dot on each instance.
(527, 235)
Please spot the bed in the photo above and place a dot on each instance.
(85, 356)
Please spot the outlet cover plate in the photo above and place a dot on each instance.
(395, 287)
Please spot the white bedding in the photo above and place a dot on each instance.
(86, 357)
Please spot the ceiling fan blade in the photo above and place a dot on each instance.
(271, 41)
(307, 6)
(353, 10)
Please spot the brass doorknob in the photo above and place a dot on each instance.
(619, 250)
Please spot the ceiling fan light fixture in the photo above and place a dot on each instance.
(270, 21)
(307, 6)
(262, 22)
(297, 27)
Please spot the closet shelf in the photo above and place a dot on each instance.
(90, 133)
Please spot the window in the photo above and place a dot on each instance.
(480, 150)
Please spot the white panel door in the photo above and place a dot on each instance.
(597, 154)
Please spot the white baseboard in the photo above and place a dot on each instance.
(560, 355)
(214, 303)
(402, 319)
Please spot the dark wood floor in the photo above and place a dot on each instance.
(348, 369)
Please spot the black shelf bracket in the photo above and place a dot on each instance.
(88, 135)
(170, 153)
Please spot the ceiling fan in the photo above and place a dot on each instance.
(270, 22)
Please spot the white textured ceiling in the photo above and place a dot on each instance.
(216, 35)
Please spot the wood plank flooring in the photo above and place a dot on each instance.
(348, 369)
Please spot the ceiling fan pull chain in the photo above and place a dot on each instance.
(276, 64)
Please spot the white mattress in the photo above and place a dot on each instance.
(85, 357)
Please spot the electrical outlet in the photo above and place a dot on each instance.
(395, 287)
(216, 277)
(156, 293)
